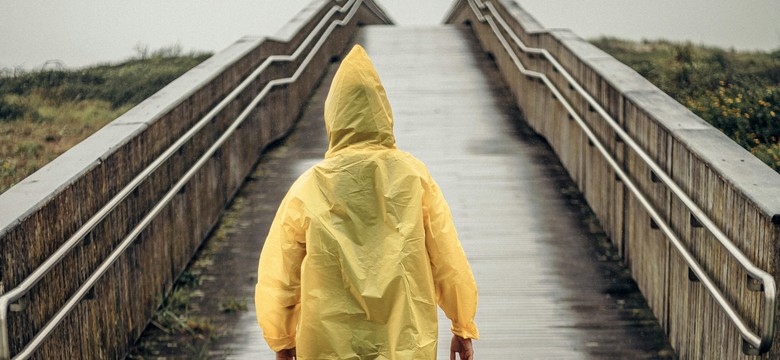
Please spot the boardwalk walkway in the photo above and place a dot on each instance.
(550, 287)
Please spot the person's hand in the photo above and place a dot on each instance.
(461, 346)
(286, 354)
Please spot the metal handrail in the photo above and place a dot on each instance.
(350, 7)
(759, 344)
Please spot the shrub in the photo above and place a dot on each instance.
(737, 92)
(29, 149)
(10, 111)
(43, 113)
(129, 82)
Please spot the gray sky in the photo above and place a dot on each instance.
(82, 32)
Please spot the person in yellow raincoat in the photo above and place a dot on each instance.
(363, 246)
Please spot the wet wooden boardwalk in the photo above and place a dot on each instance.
(550, 286)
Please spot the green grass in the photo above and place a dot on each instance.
(188, 321)
(231, 305)
(44, 113)
(737, 92)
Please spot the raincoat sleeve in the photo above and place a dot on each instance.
(456, 290)
(278, 290)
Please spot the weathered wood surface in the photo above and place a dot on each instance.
(550, 288)
(42, 211)
(737, 191)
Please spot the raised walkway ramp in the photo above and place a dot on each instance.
(550, 287)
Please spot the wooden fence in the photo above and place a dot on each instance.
(739, 193)
(40, 213)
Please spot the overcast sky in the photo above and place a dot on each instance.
(82, 32)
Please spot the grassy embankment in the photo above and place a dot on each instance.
(737, 92)
(44, 113)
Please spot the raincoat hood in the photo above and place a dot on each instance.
(357, 113)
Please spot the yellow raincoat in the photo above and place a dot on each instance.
(363, 246)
